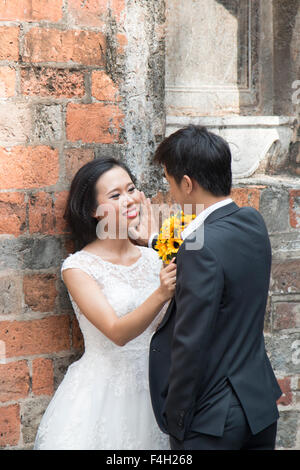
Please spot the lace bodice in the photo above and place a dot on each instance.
(104, 400)
(125, 287)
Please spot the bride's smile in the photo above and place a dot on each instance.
(118, 199)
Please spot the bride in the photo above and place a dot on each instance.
(118, 291)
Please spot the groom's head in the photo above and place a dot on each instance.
(196, 162)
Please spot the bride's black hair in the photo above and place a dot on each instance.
(81, 202)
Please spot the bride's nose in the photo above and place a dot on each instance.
(127, 200)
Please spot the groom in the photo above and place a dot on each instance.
(211, 382)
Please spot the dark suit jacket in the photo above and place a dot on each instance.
(211, 337)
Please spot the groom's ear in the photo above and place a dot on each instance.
(187, 184)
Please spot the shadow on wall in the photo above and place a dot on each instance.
(285, 66)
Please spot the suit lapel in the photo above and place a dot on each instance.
(217, 214)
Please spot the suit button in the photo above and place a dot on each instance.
(155, 350)
(180, 423)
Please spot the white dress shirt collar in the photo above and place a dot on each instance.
(202, 216)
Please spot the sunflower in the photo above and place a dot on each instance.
(169, 239)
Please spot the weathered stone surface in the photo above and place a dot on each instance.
(285, 276)
(221, 85)
(31, 414)
(284, 351)
(274, 207)
(287, 429)
(10, 293)
(60, 366)
(286, 21)
(41, 253)
(250, 138)
(142, 89)
(48, 123)
(286, 315)
(285, 246)
(15, 123)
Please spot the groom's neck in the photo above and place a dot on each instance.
(205, 200)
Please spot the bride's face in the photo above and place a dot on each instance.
(118, 199)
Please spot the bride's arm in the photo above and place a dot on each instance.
(94, 305)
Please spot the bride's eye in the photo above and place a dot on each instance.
(132, 189)
(115, 196)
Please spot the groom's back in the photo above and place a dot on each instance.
(240, 243)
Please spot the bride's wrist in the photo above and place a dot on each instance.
(161, 295)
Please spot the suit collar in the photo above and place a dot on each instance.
(222, 212)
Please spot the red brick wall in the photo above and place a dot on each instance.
(59, 104)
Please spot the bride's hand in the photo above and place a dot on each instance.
(168, 280)
(147, 223)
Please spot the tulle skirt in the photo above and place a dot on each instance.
(97, 408)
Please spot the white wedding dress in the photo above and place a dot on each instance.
(104, 400)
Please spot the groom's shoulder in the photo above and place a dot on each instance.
(249, 212)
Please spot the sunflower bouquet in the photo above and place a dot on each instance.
(169, 239)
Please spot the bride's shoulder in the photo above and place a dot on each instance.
(76, 260)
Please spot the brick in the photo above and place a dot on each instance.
(7, 82)
(40, 292)
(75, 159)
(285, 276)
(246, 196)
(59, 210)
(95, 13)
(286, 315)
(11, 293)
(28, 167)
(40, 213)
(93, 123)
(26, 338)
(103, 88)
(287, 396)
(9, 43)
(12, 213)
(9, 425)
(55, 83)
(14, 381)
(122, 41)
(35, 10)
(15, 123)
(118, 7)
(77, 338)
(51, 45)
(42, 377)
(295, 208)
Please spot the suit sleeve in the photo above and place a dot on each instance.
(199, 288)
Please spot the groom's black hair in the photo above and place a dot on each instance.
(199, 154)
(82, 200)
